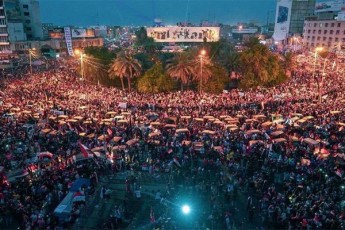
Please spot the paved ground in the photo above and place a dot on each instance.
(98, 211)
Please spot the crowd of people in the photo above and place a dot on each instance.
(280, 146)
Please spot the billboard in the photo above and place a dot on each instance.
(83, 33)
(56, 33)
(183, 34)
(282, 21)
(329, 5)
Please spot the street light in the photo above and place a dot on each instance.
(30, 54)
(202, 55)
(317, 49)
(185, 209)
(82, 55)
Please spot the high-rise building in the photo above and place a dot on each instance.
(328, 9)
(31, 15)
(290, 16)
(4, 43)
(300, 10)
(24, 16)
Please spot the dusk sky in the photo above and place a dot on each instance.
(142, 12)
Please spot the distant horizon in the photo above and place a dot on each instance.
(82, 13)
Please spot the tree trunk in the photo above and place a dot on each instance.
(123, 85)
(181, 86)
(129, 83)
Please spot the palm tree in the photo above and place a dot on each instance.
(181, 68)
(125, 66)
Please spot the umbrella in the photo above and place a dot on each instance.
(277, 133)
(154, 134)
(131, 142)
(335, 112)
(230, 126)
(310, 141)
(117, 139)
(82, 134)
(107, 120)
(186, 117)
(210, 132)
(92, 135)
(182, 130)
(111, 113)
(126, 113)
(259, 116)
(279, 140)
(122, 121)
(62, 116)
(253, 131)
(45, 154)
(72, 120)
(198, 119)
(253, 142)
(249, 120)
(87, 122)
(218, 122)
(120, 117)
(267, 123)
(102, 137)
(308, 118)
(208, 117)
(78, 117)
(26, 112)
(170, 126)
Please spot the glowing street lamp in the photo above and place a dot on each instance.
(202, 55)
(31, 51)
(185, 209)
(82, 55)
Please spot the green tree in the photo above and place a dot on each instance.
(155, 80)
(125, 66)
(181, 67)
(217, 82)
(259, 66)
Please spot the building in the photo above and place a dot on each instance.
(290, 16)
(326, 33)
(27, 13)
(328, 9)
(300, 10)
(4, 42)
(58, 45)
(16, 31)
(31, 16)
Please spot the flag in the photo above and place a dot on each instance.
(339, 172)
(84, 150)
(152, 216)
(177, 162)
(110, 132)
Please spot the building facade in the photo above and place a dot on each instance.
(4, 42)
(300, 10)
(329, 34)
(31, 16)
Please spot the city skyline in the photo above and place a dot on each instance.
(143, 12)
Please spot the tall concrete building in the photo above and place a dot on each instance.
(300, 10)
(31, 15)
(4, 43)
(24, 20)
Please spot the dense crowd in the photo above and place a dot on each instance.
(281, 146)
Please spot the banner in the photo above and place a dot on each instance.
(329, 5)
(56, 33)
(68, 39)
(183, 34)
(282, 21)
(83, 33)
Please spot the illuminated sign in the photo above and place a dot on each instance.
(184, 34)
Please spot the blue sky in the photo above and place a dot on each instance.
(142, 12)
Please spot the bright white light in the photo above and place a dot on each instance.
(185, 209)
